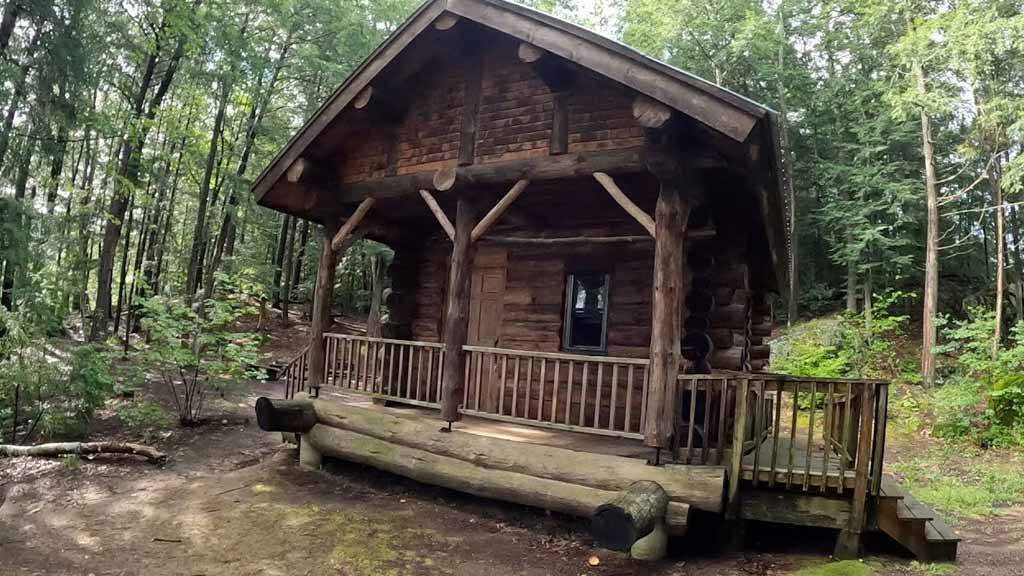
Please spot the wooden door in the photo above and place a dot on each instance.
(487, 300)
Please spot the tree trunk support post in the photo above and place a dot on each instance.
(848, 544)
(323, 295)
(670, 215)
(456, 325)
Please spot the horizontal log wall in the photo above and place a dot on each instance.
(514, 117)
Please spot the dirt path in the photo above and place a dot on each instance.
(231, 500)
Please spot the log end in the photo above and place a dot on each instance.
(613, 528)
(285, 415)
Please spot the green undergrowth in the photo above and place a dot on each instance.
(957, 478)
(844, 568)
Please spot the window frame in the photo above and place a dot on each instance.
(570, 280)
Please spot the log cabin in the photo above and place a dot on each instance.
(586, 245)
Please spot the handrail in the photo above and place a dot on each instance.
(558, 356)
(383, 340)
(796, 378)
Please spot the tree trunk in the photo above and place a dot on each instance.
(373, 325)
(282, 243)
(199, 231)
(630, 516)
(124, 261)
(787, 154)
(12, 10)
(286, 289)
(995, 179)
(931, 265)
(128, 170)
(323, 298)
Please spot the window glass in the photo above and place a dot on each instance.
(586, 311)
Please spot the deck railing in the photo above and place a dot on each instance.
(594, 394)
(811, 434)
(402, 370)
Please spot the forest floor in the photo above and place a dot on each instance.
(232, 500)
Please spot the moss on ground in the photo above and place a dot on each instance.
(844, 568)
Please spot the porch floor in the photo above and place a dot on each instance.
(525, 432)
(803, 463)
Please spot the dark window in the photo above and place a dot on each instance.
(586, 312)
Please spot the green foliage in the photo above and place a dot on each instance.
(199, 353)
(982, 396)
(847, 346)
(53, 392)
(142, 416)
(842, 568)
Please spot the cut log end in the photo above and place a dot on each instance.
(650, 113)
(446, 21)
(362, 98)
(444, 178)
(630, 516)
(285, 415)
(529, 53)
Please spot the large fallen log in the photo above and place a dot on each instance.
(630, 516)
(455, 474)
(698, 486)
(83, 449)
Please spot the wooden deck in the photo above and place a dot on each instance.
(789, 463)
(578, 441)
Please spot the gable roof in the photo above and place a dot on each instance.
(725, 112)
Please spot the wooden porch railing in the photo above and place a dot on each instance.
(810, 434)
(593, 394)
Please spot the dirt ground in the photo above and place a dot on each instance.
(231, 500)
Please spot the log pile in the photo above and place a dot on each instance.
(730, 318)
(548, 477)
(760, 328)
(697, 345)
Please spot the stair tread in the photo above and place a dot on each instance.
(891, 488)
(910, 508)
(937, 531)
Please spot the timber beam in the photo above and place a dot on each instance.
(485, 224)
(350, 225)
(439, 214)
(628, 205)
(539, 168)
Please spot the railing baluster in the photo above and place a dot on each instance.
(583, 392)
(554, 393)
(827, 426)
(810, 436)
(501, 387)
(479, 369)
(597, 396)
(568, 391)
(430, 372)
(878, 442)
(529, 384)
(723, 399)
(628, 418)
(758, 420)
(845, 460)
(614, 404)
(693, 416)
(708, 387)
(408, 375)
(792, 435)
(467, 381)
(515, 385)
(643, 400)
(775, 433)
(419, 373)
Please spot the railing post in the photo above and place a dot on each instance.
(670, 214)
(457, 317)
(738, 437)
(849, 542)
(323, 295)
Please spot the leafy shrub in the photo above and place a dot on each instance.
(197, 352)
(849, 345)
(140, 416)
(982, 396)
(43, 389)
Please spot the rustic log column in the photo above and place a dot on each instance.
(670, 216)
(457, 313)
(323, 295)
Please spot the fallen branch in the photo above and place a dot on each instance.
(83, 449)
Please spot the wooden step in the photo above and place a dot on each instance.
(914, 525)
